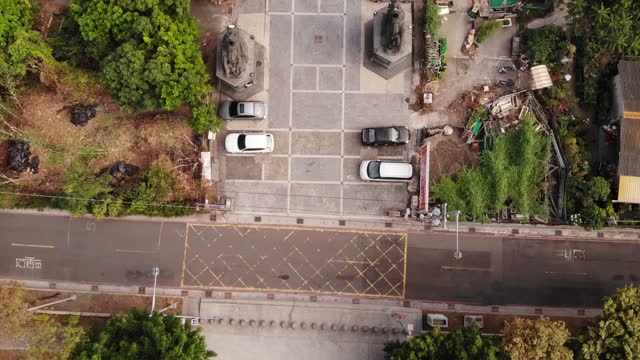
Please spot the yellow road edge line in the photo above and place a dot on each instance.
(463, 268)
(289, 290)
(34, 245)
(184, 256)
(320, 229)
(404, 275)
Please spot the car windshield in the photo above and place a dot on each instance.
(233, 109)
(395, 134)
(373, 170)
(241, 142)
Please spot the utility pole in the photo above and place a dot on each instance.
(155, 271)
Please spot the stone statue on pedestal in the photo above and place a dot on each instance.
(392, 28)
(234, 53)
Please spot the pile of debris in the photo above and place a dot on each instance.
(120, 168)
(19, 157)
(80, 115)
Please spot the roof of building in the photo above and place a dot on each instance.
(629, 163)
(629, 189)
(629, 72)
(540, 77)
(503, 3)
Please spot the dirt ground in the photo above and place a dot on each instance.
(100, 302)
(449, 154)
(44, 121)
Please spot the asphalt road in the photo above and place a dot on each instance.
(500, 271)
(492, 271)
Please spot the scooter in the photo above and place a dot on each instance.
(504, 69)
(505, 83)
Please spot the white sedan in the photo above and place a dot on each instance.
(248, 143)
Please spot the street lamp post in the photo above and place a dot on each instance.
(457, 254)
(155, 271)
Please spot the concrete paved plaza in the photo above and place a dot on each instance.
(319, 96)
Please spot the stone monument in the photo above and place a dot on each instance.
(389, 50)
(239, 64)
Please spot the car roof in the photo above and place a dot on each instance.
(256, 141)
(397, 170)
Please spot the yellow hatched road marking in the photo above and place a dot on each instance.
(358, 241)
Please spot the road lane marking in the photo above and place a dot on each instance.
(135, 251)
(464, 268)
(565, 273)
(34, 245)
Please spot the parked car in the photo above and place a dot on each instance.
(237, 110)
(248, 143)
(389, 135)
(381, 170)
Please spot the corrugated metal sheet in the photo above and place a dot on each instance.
(540, 77)
(629, 72)
(629, 163)
(496, 4)
(629, 189)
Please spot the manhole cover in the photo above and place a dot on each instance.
(317, 39)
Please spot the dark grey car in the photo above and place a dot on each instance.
(237, 110)
(388, 135)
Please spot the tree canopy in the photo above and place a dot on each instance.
(138, 336)
(511, 172)
(148, 51)
(616, 334)
(432, 21)
(13, 318)
(607, 30)
(466, 343)
(21, 48)
(539, 339)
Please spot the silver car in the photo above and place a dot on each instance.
(237, 110)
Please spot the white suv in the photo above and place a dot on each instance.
(248, 143)
(381, 170)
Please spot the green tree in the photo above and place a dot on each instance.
(432, 21)
(21, 48)
(598, 188)
(82, 187)
(148, 51)
(49, 339)
(158, 194)
(487, 29)
(13, 317)
(539, 339)
(616, 333)
(592, 217)
(466, 343)
(543, 43)
(203, 118)
(138, 336)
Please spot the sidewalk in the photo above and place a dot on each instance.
(380, 223)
